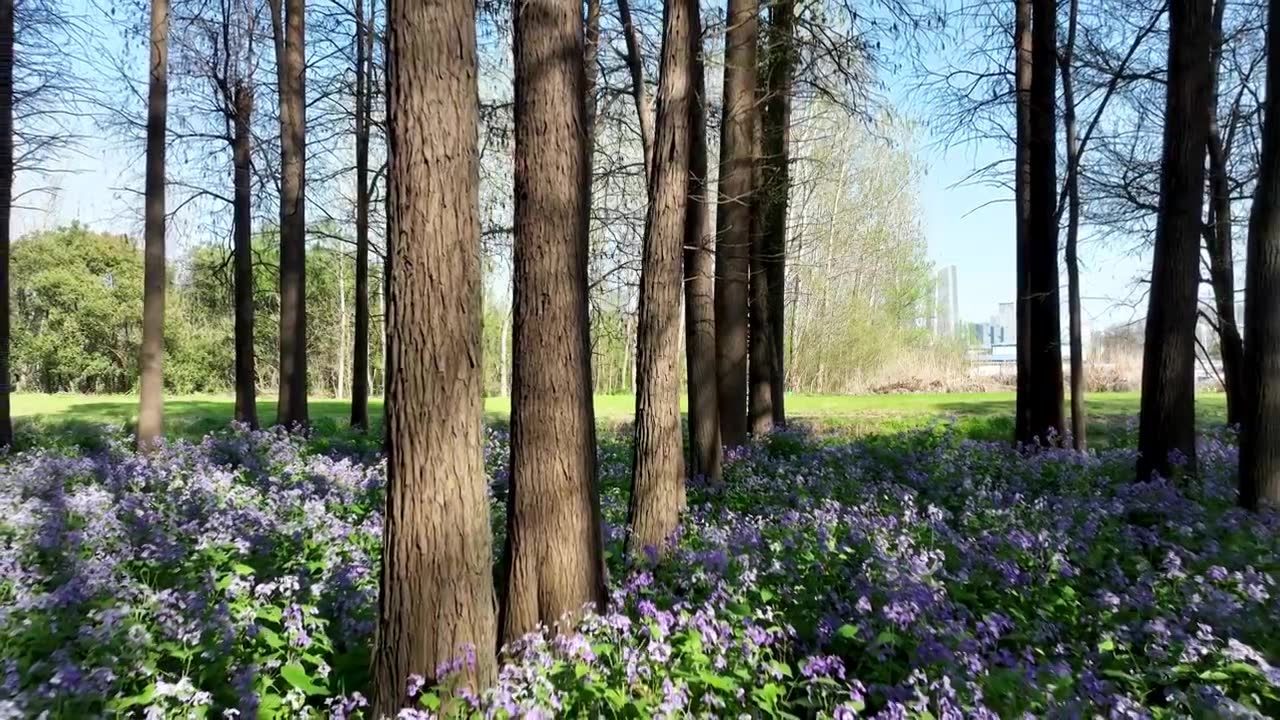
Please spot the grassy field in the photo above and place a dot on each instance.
(983, 415)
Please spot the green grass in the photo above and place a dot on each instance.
(979, 415)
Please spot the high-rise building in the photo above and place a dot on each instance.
(1007, 319)
(946, 303)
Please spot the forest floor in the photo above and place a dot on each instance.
(986, 416)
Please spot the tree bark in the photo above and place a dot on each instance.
(1218, 240)
(733, 221)
(1045, 388)
(242, 238)
(777, 158)
(1259, 452)
(6, 207)
(1167, 423)
(1078, 421)
(290, 36)
(759, 341)
(437, 594)
(657, 484)
(705, 453)
(553, 559)
(151, 411)
(635, 65)
(1022, 212)
(363, 112)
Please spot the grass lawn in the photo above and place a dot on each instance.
(983, 415)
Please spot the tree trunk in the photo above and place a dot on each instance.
(1022, 212)
(1078, 422)
(657, 486)
(1167, 424)
(6, 207)
(437, 598)
(1218, 239)
(553, 559)
(1259, 452)
(363, 111)
(733, 221)
(777, 158)
(1045, 385)
(759, 341)
(242, 238)
(289, 32)
(635, 64)
(151, 412)
(705, 453)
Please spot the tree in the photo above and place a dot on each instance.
(705, 451)
(289, 30)
(437, 580)
(364, 113)
(639, 92)
(1023, 432)
(246, 376)
(777, 179)
(1167, 423)
(733, 220)
(1073, 229)
(6, 205)
(760, 346)
(657, 480)
(553, 559)
(1045, 354)
(1218, 233)
(1259, 454)
(151, 412)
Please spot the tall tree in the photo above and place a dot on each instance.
(553, 559)
(760, 346)
(437, 577)
(1259, 452)
(1073, 229)
(1218, 233)
(1022, 214)
(657, 481)
(733, 220)
(1167, 423)
(705, 452)
(1045, 389)
(6, 205)
(639, 91)
(246, 378)
(364, 112)
(777, 179)
(289, 30)
(151, 412)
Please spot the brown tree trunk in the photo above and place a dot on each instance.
(1022, 213)
(363, 112)
(733, 220)
(553, 558)
(705, 453)
(437, 594)
(1078, 422)
(6, 206)
(1168, 421)
(777, 158)
(657, 485)
(635, 65)
(289, 32)
(151, 412)
(1259, 451)
(1218, 240)
(759, 340)
(1045, 385)
(242, 238)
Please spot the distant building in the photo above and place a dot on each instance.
(1007, 318)
(946, 303)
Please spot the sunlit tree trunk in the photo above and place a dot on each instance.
(242, 238)
(1167, 424)
(6, 206)
(151, 412)
(1078, 423)
(1022, 213)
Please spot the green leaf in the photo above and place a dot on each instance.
(1107, 645)
(718, 682)
(847, 631)
(766, 595)
(242, 569)
(297, 676)
(141, 698)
